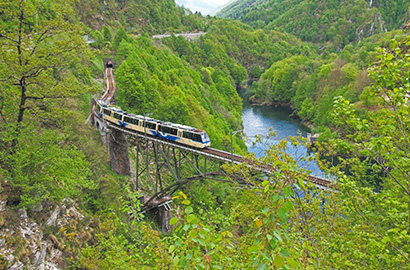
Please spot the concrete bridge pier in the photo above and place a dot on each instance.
(163, 218)
(118, 148)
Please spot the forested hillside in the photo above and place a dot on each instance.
(62, 207)
(336, 22)
(153, 80)
(238, 50)
(138, 17)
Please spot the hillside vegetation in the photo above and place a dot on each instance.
(62, 207)
(329, 23)
(138, 17)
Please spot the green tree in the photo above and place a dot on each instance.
(35, 54)
(377, 144)
(256, 72)
(98, 40)
(107, 35)
(38, 46)
(175, 110)
(119, 36)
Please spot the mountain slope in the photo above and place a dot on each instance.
(337, 22)
(138, 17)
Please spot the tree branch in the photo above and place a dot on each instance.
(376, 231)
(9, 38)
(45, 97)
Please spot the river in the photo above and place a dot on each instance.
(257, 120)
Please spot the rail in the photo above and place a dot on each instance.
(217, 155)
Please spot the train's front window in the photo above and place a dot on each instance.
(205, 137)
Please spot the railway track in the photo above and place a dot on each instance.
(110, 86)
(218, 155)
(314, 179)
(108, 95)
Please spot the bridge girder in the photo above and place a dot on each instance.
(161, 169)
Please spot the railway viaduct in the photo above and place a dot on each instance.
(161, 166)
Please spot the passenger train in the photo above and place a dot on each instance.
(174, 132)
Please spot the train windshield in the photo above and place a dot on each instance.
(205, 137)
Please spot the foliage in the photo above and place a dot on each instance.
(138, 17)
(39, 46)
(336, 22)
(154, 81)
(371, 149)
(310, 83)
(279, 221)
(233, 47)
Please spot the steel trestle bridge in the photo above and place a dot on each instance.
(162, 166)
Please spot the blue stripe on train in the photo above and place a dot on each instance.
(122, 124)
(167, 136)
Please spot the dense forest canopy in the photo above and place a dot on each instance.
(138, 17)
(336, 22)
(341, 65)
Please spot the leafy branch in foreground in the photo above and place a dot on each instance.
(374, 151)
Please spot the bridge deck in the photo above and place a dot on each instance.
(218, 155)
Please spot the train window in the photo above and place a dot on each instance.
(117, 116)
(167, 129)
(205, 137)
(196, 137)
(98, 107)
(150, 125)
(131, 120)
(163, 129)
(107, 112)
(192, 136)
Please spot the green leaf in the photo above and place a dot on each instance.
(277, 197)
(277, 236)
(287, 191)
(272, 244)
(201, 242)
(288, 206)
(176, 260)
(192, 219)
(173, 221)
(184, 263)
(255, 263)
(279, 261)
(282, 213)
(253, 249)
(186, 202)
(266, 209)
(265, 183)
(262, 266)
(189, 210)
(292, 262)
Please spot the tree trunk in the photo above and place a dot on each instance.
(22, 108)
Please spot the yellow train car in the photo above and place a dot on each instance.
(173, 132)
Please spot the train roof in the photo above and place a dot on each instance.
(141, 117)
(184, 127)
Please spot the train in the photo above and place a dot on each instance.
(178, 133)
